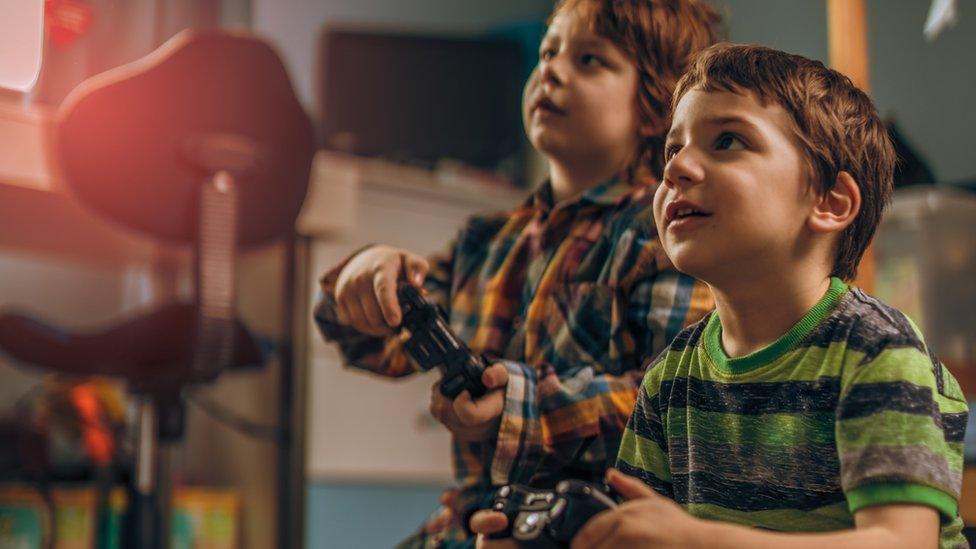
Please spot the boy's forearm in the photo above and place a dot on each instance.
(721, 535)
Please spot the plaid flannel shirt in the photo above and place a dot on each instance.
(571, 298)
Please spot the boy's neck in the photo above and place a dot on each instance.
(571, 179)
(757, 311)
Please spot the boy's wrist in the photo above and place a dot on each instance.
(708, 534)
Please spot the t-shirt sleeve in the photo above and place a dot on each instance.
(899, 431)
(643, 448)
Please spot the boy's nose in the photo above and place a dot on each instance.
(551, 70)
(683, 169)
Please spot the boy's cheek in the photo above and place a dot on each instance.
(662, 262)
(530, 86)
(659, 196)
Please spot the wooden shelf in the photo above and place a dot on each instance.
(337, 181)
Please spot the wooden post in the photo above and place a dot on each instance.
(847, 38)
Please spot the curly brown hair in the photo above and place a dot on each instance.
(661, 37)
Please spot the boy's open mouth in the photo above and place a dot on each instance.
(545, 104)
(682, 209)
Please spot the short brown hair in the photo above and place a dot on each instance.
(835, 122)
(660, 37)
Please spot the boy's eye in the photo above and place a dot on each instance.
(547, 54)
(590, 59)
(729, 142)
(670, 151)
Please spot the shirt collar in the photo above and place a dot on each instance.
(611, 192)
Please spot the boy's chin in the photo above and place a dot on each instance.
(547, 145)
(686, 263)
(556, 145)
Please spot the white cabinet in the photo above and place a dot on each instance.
(360, 426)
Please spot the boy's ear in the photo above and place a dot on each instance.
(837, 208)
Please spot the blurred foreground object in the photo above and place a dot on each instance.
(21, 43)
(201, 144)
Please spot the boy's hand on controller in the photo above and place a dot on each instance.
(366, 290)
(488, 522)
(473, 419)
(645, 519)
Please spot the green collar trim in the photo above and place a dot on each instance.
(712, 335)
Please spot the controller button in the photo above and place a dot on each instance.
(557, 509)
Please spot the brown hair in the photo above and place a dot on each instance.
(660, 37)
(836, 124)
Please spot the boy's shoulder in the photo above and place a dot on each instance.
(865, 324)
(482, 227)
(881, 344)
(638, 210)
(630, 227)
(860, 325)
(860, 321)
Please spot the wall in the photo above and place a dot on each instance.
(926, 87)
(293, 25)
(365, 515)
(796, 26)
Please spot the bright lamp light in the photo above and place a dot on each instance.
(21, 43)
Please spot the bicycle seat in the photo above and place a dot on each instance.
(137, 145)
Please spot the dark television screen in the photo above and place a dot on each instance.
(420, 99)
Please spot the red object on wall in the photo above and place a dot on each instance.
(67, 20)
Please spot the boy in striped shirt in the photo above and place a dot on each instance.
(802, 412)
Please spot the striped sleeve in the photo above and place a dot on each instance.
(643, 449)
(899, 431)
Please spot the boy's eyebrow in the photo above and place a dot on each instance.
(590, 43)
(670, 133)
(730, 119)
(718, 121)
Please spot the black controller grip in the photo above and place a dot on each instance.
(432, 344)
(549, 518)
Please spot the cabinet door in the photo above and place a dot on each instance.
(362, 426)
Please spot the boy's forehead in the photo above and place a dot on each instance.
(570, 22)
(700, 107)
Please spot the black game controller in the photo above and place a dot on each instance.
(543, 519)
(433, 344)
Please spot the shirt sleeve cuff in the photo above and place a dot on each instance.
(519, 436)
(889, 493)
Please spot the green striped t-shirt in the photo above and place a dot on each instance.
(849, 409)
